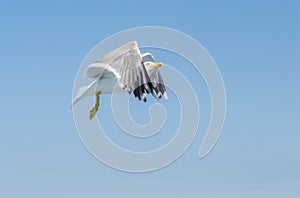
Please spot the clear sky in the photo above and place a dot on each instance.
(256, 46)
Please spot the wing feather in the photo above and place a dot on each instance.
(158, 85)
(126, 64)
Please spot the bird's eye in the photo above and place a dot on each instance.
(147, 64)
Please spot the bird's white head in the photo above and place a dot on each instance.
(150, 62)
(152, 65)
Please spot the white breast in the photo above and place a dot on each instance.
(109, 85)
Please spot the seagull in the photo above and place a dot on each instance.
(124, 69)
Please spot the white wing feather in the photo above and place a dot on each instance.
(126, 64)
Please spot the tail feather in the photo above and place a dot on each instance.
(84, 91)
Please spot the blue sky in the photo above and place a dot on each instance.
(256, 47)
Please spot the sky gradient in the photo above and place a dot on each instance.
(256, 46)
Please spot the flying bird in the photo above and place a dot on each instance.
(124, 69)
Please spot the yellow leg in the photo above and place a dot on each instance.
(95, 108)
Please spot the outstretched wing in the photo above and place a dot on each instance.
(126, 64)
(158, 84)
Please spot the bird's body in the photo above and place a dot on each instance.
(123, 69)
(109, 85)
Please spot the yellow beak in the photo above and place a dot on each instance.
(158, 64)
